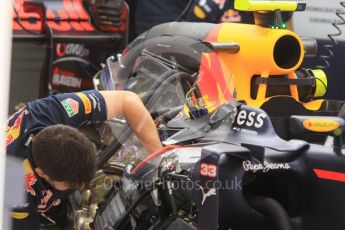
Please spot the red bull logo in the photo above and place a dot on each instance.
(30, 180)
(13, 132)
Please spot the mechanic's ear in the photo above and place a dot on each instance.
(40, 172)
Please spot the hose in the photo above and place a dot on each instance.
(157, 83)
(124, 219)
(273, 209)
(184, 11)
(330, 47)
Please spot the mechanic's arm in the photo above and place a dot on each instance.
(129, 105)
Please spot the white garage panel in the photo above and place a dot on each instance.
(316, 20)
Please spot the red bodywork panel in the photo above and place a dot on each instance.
(61, 16)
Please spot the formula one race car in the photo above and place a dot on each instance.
(248, 144)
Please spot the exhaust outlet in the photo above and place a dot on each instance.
(287, 52)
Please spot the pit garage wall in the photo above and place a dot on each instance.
(27, 61)
(316, 22)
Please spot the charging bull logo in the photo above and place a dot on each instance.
(215, 81)
(30, 178)
(13, 132)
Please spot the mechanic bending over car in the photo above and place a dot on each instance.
(58, 158)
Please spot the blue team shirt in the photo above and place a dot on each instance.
(74, 109)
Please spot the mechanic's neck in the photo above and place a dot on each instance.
(58, 185)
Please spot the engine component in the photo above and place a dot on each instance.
(311, 84)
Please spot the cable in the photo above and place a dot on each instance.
(165, 61)
(166, 75)
(272, 209)
(185, 10)
(189, 96)
(124, 219)
(330, 47)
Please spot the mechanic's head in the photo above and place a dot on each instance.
(64, 157)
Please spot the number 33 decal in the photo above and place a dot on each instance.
(208, 170)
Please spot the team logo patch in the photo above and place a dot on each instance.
(13, 132)
(86, 102)
(44, 206)
(211, 192)
(30, 178)
(320, 125)
(71, 106)
(19, 215)
(94, 102)
(199, 13)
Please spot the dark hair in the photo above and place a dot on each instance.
(65, 154)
